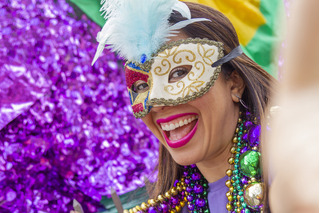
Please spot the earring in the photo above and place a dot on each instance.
(241, 101)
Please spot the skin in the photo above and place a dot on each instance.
(218, 112)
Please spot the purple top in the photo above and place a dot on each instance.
(216, 196)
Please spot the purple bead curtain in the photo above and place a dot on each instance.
(66, 128)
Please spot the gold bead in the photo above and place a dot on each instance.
(255, 148)
(182, 203)
(239, 120)
(134, 210)
(152, 201)
(231, 161)
(179, 188)
(238, 204)
(178, 208)
(249, 181)
(229, 172)
(185, 199)
(238, 197)
(228, 194)
(174, 191)
(238, 210)
(125, 211)
(233, 150)
(138, 208)
(144, 206)
(184, 188)
(228, 183)
(160, 198)
(130, 211)
(245, 131)
(237, 130)
(229, 207)
(231, 189)
(235, 140)
(178, 184)
(182, 180)
(167, 195)
(173, 211)
(230, 198)
(253, 180)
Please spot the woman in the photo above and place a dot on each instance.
(202, 98)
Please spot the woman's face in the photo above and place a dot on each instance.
(199, 130)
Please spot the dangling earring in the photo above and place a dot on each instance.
(241, 101)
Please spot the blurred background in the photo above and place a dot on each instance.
(66, 127)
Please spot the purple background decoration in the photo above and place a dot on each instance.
(66, 128)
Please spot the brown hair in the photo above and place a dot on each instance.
(259, 84)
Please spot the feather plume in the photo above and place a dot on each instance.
(139, 27)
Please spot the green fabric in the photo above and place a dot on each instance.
(128, 200)
(267, 37)
(92, 9)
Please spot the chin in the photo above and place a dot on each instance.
(185, 159)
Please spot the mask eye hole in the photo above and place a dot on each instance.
(140, 86)
(179, 73)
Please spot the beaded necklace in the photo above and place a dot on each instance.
(245, 193)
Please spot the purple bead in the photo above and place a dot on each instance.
(248, 115)
(198, 189)
(164, 207)
(152, 210)
(193, 166)
(185, 174)
(190, 207)
(200, 202)
(196, 176)
(245, 137)
(189, 189)
(187, 181)
(243, 211)
(254, 134)
(190, 198)
(174, 200)
(244, 180)
(248, 124)
(244, 149)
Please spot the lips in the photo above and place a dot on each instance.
(179, 129)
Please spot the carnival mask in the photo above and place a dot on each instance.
(179, 72)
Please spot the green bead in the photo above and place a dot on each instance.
(250, 163)
(236, 171)
(206, 211)
(235, 198)
(236, 161)
(241, 199)
(244, 205)
(238, 149)
(237, 155)
(247, 210)
(236, 166)
(241, 193)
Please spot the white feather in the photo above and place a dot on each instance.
(139, 27)
(183, 9)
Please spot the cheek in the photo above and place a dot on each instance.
(152, 126)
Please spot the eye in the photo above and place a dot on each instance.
(140, 86)
(179, 73)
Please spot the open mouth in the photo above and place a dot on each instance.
(179, 129)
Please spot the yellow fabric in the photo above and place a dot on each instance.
(245, 15)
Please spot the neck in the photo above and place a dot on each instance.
(215, 167)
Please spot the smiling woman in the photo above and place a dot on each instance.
(202, 98)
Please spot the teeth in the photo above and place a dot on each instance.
(172, 126)
(181, 123)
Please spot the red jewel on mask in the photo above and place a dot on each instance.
(137, 108)
(133, 76)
